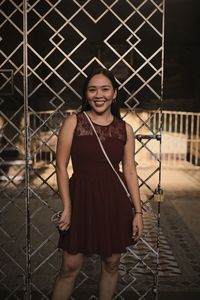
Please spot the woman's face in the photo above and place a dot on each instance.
(100, 93)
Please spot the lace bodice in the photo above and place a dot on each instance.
(116, 129)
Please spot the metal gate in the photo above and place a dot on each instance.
(47, 48)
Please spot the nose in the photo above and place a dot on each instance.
(98, 93)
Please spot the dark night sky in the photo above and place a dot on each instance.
(182, 50)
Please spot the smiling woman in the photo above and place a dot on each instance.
(97, 215)
(100, 95)
(104, 88)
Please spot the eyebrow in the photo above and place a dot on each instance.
(107, 85)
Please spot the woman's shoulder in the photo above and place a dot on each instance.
(129, 129)
(128, 126)
(77, 121)
(124, 123)
(70, 121)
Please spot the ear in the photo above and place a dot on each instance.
(115, 94)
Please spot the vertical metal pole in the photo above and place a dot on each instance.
(191, 138)
(197, 140)
(187, 137)
(156, 282)
(27, 295)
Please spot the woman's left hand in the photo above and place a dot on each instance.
(137, 226)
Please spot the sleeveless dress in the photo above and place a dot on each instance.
(101, 221)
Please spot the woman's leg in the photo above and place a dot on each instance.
(109, 276)
(71, 265)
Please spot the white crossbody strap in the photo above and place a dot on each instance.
(106, 156)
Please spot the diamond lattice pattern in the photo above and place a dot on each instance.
(65, 39)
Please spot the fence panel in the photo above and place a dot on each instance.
(48, 49)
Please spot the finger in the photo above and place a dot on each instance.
(135, 229)
(135, 232)
(139, 233)
(60, 226)
(64, 227)
(63, 224)
(61, 221)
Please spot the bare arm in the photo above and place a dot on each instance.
(129, 168)
(62, 160)
(130, 174)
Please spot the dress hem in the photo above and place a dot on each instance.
(88, 254)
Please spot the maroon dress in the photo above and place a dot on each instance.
(101, 221)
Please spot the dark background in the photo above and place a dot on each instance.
(182, 55)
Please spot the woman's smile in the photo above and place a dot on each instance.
(99, 103)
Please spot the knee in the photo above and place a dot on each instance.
(111, 266)
(71, 265)
(69, 270)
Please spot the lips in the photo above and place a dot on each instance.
(99, 102)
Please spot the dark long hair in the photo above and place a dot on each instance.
(115, 108)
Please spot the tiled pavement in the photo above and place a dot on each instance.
(180, 223)
(179, 276)
(182, 240)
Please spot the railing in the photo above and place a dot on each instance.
(44, 127)
(180, 136)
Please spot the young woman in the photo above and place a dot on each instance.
(97, 215)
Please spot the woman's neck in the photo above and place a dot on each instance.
(104, 118)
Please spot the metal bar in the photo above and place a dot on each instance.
(156, 277)
(186, 132)
(177, 156)
(191, 138)
(27, 295)
(197, 142)
(181, 125)
(140, 137)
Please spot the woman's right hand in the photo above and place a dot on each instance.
(65, 221)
